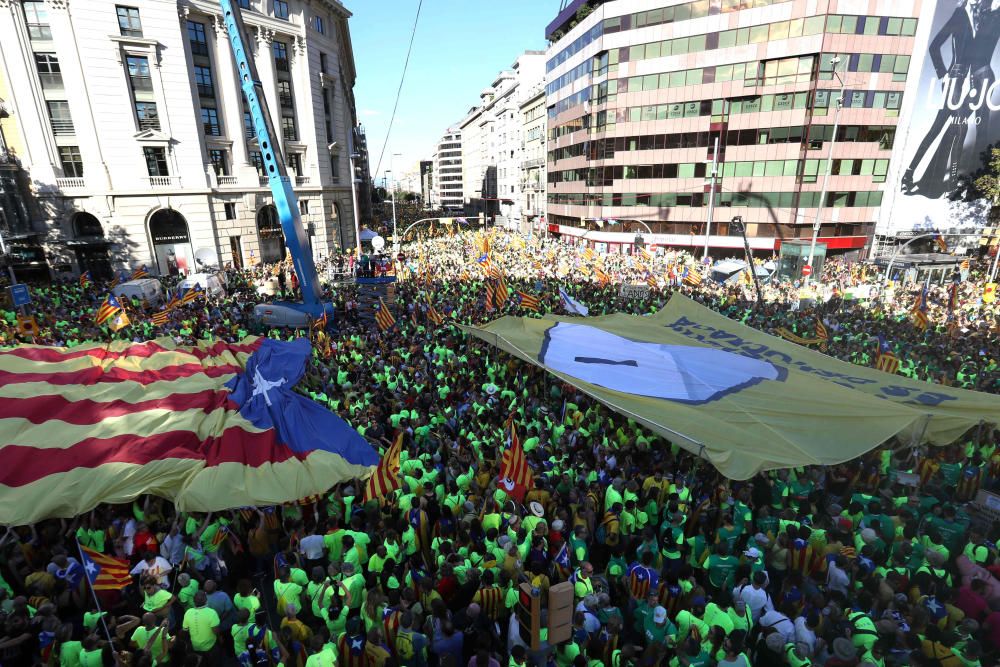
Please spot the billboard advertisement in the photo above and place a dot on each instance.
(950, 118)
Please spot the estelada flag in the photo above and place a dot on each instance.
(141, 272)
(515, 475)
(210, 427)
(887, 362)
(160, 318)
(501, 293)
(191, 294)
(385, 479)
(529, 301)
(383, 317)
(433, 315)
(105, 573)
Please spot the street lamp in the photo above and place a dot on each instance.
(835, 60)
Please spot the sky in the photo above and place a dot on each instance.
(459, 48)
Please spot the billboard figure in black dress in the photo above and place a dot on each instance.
(971, 34)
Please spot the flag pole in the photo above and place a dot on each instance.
(90, 585)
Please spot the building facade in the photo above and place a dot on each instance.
(492, 140)
(447, 178)
(139, 142)
(427, 183)
(639, 94)
(532, 170)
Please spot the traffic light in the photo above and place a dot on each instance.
(529, 615)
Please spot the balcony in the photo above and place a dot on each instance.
(71, 183)
(141, 82)
(212, 129)
(537, 162)
(302, 180)
(62, 127)
(163, 181)
(228, 181)
(51, 81)
(289, 134)
(149, 123)
(263, 181)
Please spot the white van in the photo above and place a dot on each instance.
(148, 289)
(209, 282)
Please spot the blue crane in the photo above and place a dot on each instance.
(282, 313)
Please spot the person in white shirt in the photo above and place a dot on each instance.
(152, 565)
(778, 622)
(805, 631)
(837, 578)
(311, 546)
(754, 595)
(172, 547)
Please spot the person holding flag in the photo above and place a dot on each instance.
(108, 310)
(85, 279)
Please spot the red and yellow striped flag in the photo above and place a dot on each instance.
(105, 573)
(160, 318)
(107, 422)
(385, 479)
(887, 362)
(529, 301)
(501, 294)
(433, 315)
(588, 254)
(515, 475)
(383, 317)
(602, 277)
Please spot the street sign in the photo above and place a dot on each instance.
(807, 271)
(19, 294)
(633, 291)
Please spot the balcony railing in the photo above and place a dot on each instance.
(131, 32)
(228, 180)
(141, 82)
(281, 64)
(211, 129)
(302, 180)
(51, 81)
(285, 100)
(537, 162)
(163, 181)
(262, 180)
(149, 123)
(70, 183)
(199, 48)
(249, 132)
(62, 127)
(206, 90)
(289, 134)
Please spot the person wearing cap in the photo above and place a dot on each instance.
(657, 628)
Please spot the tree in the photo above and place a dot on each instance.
(989, 183)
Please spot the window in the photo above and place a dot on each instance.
(203, 77)
(156, 160)
(295, 163)
(72, 163)
(210, 121)
(288, 128)
(59, 118)
(48, 70)
(37, 18)
(128, 21)
(304, 206)
(329, 132)
(335, 168)
(248, 130)
(322, 63)
(138, 73)
(197, 39)
(280, 50)
(230, 210)
(318, 25)
(146, 114)
(219, 160)
(285, 93)
(245, 4)
(257, 160)
(281, 9)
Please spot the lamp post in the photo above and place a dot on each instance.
(835, 60)
(395, 239)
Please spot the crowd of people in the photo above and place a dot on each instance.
(878, 561)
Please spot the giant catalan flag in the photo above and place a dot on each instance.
(210, 427)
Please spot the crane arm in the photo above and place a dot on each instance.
(274, 165)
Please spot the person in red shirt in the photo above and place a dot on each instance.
(971, 601)
(144, 541)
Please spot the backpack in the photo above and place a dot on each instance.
(404, 645)
(257, 654)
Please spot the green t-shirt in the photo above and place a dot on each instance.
(157, 600)
(91, 658)
(201, 624)
(288, 594)
(69, 654)
(141, 635)
(720, 570)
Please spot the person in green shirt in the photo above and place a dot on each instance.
(157, 600)
(721, 566)
(153, 638)
(202, 625)
(287, 591)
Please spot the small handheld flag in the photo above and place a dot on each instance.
(515, 475)
(383, 317)
(160, 318)
(692, 277)
(85, 279)
(571, 305)
(822, 334)
(501, 294)
(887, 362)
(320, 322)
(529, 301)
(919, 311)
(119, 321)
(385, 479)
(191, 294)
(108, 309)
(105, 573)
(433, 315)
(141, 272)
(941, 243)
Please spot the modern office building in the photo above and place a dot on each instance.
(532, 179)
(139, 142)
(448, 190)
(639, 94)
(427, 183)
(491, 140)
